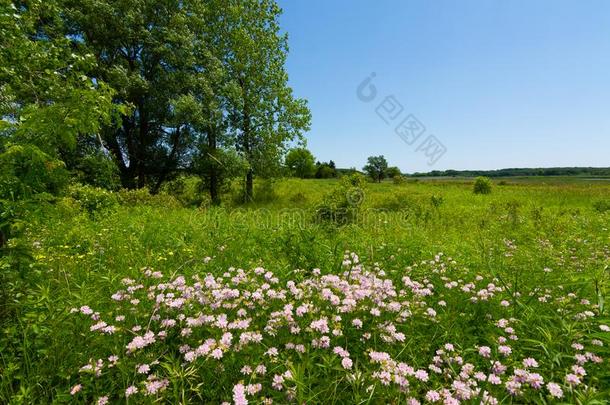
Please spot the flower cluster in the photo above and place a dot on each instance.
(262, 337)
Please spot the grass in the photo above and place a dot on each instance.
(68, 257)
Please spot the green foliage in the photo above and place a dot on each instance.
(376, 168)
(25, 170)
(188, 190)
(98, 170)
(602, 205)
(398, 179)
(300, 162)
(392, 172)
(92, 199)
(482, 185)
(143, 197)
(326, 170)
(80, 260)
(342, 205)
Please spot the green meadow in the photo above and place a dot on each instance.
(544, 247)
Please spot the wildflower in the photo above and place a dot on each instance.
(102, 400)
(433, 396)
(278, 382)
(131, 390)
(239, 395)
(76, 389)
(555, 390)
(143, 369)
(572, 379)
(421, 375)
(217, 353)
(485, 351)
(505, 350)
(346, 363)
(604, 328)
(530, 362)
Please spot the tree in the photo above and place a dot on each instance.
(48, 101)
(267, 115)
(392, 172)
(300, 162)
(325, 170)
(154, 54)
(376, 167)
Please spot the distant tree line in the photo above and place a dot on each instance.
(551, 171)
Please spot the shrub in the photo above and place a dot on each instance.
(482, 185)
(602, 205)
(398, 179)
(25, 171)
(189, 190)
(98, 170)
(93, 199)
(342, 205)
(142, 196)
(436, 200)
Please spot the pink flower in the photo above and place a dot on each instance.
(421, 375)
(572, 379)
(278, 382)
(143, 368)
(239, 395)
(75, 389)
(530, 362)
(505, 350)
(102, 400)
(433, 396)
(131, 390)
(555, 390)
(346, 363)
(217, 354)
(485, 351)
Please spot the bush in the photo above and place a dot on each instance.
(398, 179)
(93, 199)
(482, 185)
(98, 170)
(342, 205)
(189, 190)
(602, 205)
(142, 196)
(25, 171)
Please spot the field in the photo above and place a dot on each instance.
(322, 291)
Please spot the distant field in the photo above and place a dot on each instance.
(424, 290)
(523, 179)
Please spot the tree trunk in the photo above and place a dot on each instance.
(249, 191)
(213, 181)
(249, 185)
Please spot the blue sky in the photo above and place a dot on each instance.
(498, 83)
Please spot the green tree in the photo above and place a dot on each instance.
(300, 162)
(267, 115)
(376, 167)
(392, 172)
(49, 99)
(154, 54)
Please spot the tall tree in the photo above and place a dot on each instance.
(148, 51)
(267, 115)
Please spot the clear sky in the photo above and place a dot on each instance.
(498, 83)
